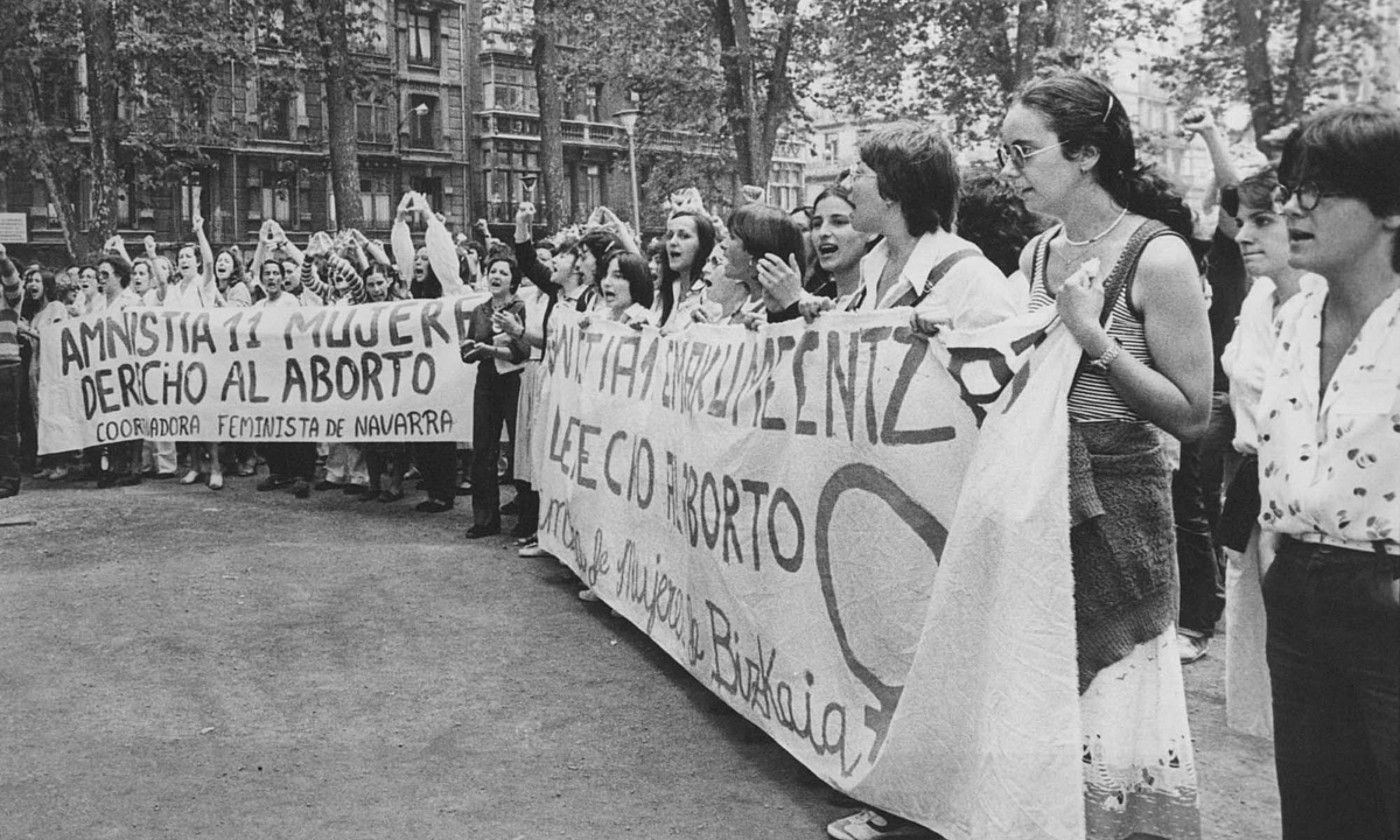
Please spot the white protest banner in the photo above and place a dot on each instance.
(809, 520)
(375, 372)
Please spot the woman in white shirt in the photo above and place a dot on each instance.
(1263, 239)
(1329, 482)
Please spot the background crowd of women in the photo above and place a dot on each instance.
(904, 228)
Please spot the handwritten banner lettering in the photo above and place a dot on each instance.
(376, 372)
(810, 520)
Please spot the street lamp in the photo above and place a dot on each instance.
(628, 118)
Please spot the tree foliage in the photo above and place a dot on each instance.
(1283, 57)
(728, 72)
(140, 112)
(956, 62)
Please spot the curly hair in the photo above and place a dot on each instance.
(992, 216)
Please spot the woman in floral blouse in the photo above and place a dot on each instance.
(1329, 456)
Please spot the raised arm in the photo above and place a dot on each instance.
(442, 253)
(1199, 121)
(206, 253)
(401, 238)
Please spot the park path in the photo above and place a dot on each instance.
(180, 663)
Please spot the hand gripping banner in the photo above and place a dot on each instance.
(810, 520)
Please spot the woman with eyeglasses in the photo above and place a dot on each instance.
(1068, 149)
(1329, 482)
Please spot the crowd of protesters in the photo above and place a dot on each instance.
(1273, 479)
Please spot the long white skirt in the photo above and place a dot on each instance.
(1139, 764)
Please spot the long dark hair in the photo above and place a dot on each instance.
(237, 276)
(765, 229)
(818, 278)
(705, 232)
(634, 270)
(1085, 114)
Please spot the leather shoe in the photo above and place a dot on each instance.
(478, 531)
(433, 506)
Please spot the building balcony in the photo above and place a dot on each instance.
(526, 126)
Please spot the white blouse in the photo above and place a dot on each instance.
(1247, 355)
(1332, 469)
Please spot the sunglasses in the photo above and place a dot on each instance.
(1017, 154)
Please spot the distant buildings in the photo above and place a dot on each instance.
(456, 119)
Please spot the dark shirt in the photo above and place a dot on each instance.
(1226, 275)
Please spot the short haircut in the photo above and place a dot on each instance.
(1256, 191)
(915, 166)
(502, 257)
(1353, 150)
(120, 267)
(765, 229)
(598, 243)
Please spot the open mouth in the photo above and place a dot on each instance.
(1295, 235)
(827, 249)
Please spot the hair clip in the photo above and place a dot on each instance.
(1109, 109)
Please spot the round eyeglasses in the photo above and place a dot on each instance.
(1307, 193)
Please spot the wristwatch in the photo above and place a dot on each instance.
(1106, 358)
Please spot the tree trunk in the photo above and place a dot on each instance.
(1068, 39)
(736, 58)
(77, 243)
(1300, 69)
(1259, 84)
(332, 27)
(779, 100)
(545, 57)
(103, 88)
(1029, 31)
(42, 168)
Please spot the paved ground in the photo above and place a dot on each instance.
(179, 663)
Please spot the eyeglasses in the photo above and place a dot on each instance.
(855, 173)
(1018, 155)
(1307, 193)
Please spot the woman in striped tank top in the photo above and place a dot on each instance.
(1068, 148)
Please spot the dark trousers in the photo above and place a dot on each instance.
(291, 460)
(1334, 661)
(1196, 494)
(437, 465)
(9, 427)
(493, 408)
(28, 425)
(527, 508)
